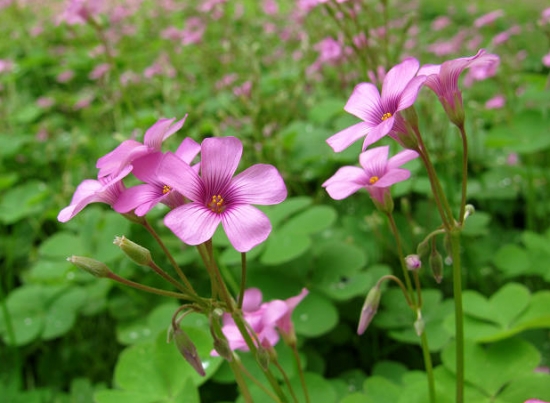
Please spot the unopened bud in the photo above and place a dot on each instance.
(262, 357)
(136, 252)
(92, 266)
(221, 345)
(369, 309)
(468, 211)
(413, 262)
(188, 350)
(423, 247)
(222, 348)
(436, 265)
(419, 326)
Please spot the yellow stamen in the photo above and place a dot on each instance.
(373, 179)
(166, 189)
(386, 115)
(217, 204)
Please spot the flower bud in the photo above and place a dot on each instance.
(188, 350)
(436, 265)
(221, 345)
(136, 252)
(413, 262)
(423, 247)
(262, 357)
(468, 211)
(369, 309)
(92, 266)
(419, 324)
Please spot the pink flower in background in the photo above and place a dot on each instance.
(45, 102)
(6, 66)
(504, 36)
(546, 59)
(331, 52)
(512, 159)
(545, 16)
(268, 320)
(193, 31)
(142, 198)
(84, 101)
(130, 150)
(78, 12)
(440, 23)
(99, 71)
(65, 76)
(243, 90)
(218, 197)
(535, 401)
(399, 91)
(270, 7)
(443, 80)
(104, 190)
(376, 175)
(488, 18)
(496, 102)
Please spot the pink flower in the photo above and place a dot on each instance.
(535, 401)
(78, 12)
(218, 197)
(104, 190)
(144, 197)
(5, 66)
(488, 18)
(130, 150)
(399, 91)
(65, 76)
(99, 71)
(546, 60)
(443, 80)
(440, 22)
(376, 175)
(268, 320)
(496, 102)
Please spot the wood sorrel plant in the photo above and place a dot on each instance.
(391, 113)
(201, 196)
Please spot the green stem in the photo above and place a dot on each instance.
(146, 288)
(243, 280)
(395, 232)
(257, 383)
(171, 259)
(300, 371)
(429, 366)
(237, 368)
(459, 324)
(287, 381)
(464, 188)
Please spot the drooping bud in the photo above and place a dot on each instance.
(419, 324)
(423, 247)
(369, 309)
(262, 357)
(436, 265)
(188, 350)
(92, 266)
(136, 252)
(468, 211)
(221, 345)
(413, 262)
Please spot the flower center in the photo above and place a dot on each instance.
(166, 189)
(386, 115)
(373, 179)
(217, 204)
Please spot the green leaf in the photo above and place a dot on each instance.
(314, 316)
(381, 390)
(530, 386)
(27, 315)
(283, 247)
(492, 368)
(23, 201)
(512, 260)
(62, 245)
(62, 313)
(314, 219)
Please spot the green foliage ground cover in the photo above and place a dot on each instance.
(69, 337)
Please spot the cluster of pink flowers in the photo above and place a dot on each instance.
(381, 115)
(201, 196)
(268, 320)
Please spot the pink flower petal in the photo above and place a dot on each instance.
(252, 299)
(219, 161)
(188, 150)
(120, 157)
(343, 139)
(181, 177)
(401, 158)
(260, 184)
(346, 181)
(192, 223)
(397, 79)
(364, 103)
(392, 177)
(245, 226)
(160, 131)
(142, 198)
